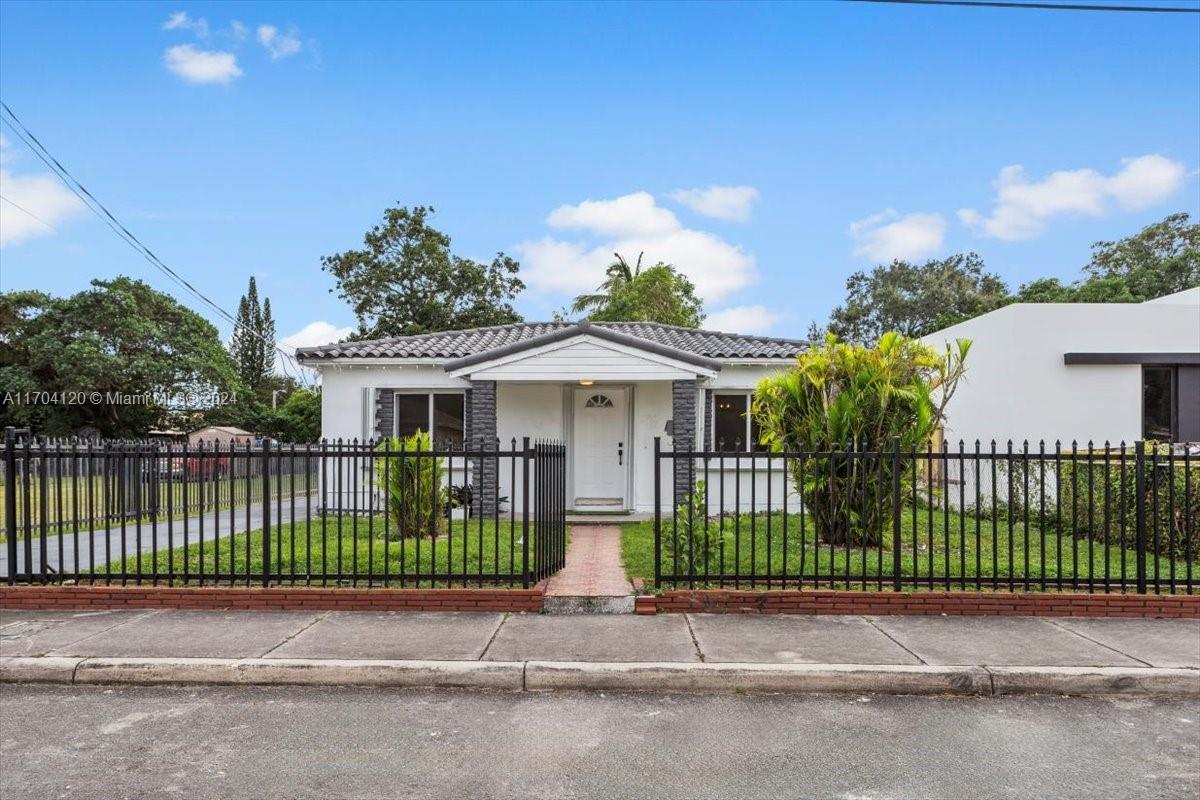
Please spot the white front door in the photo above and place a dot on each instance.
(601, 457)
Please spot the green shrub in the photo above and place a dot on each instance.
(1095, 501)
(413, 487)
(842, 397)
(694, 543)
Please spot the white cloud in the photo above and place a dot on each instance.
(721, 202)
(888, 235)
(314, 334)
(629, 225)
(1024, 206)
(278, 45)
(32, 204)
(630, 215)
(180, 21)
(744, 319)
(237, 30)
(201, 66)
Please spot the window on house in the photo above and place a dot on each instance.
(443, 413)
(734, 429)
(1158, 403)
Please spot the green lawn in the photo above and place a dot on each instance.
(1030, 557)
(323, 551)
(64, 499)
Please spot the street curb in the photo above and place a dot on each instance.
(1094, 680)
(545, 676)
(726, 677)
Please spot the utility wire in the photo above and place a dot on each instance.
(96, 207)
(1041, 6)
(27, 212)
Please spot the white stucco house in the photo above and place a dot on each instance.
(605, 389)
(1079, 371)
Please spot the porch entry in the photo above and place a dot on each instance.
(601, 447)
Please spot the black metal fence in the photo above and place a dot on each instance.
(333, 513)
(1029, 518)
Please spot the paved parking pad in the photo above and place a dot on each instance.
(593, 637)
(1158, 642)
(194, 634)
(35, 633)
(394, 635)
(997, 641)
(795, 640)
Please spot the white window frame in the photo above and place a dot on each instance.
(748, 395)
(429, 393)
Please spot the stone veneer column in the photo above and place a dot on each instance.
(481, 435)
(683, 429)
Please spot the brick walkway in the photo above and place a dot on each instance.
(593, 567)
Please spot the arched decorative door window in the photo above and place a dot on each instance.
(599, 401)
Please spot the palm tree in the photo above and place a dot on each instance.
(619, 276)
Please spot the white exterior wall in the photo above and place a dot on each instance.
(1016, 384)
(542, 410)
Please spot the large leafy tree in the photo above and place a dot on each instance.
(405, 280)
(1160, 259)
(632, 294)
(916, 299)
(253, 343)
(120, 337)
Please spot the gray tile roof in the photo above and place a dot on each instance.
(475, 341)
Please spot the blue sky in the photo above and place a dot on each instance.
(768, 150)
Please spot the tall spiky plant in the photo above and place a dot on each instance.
(618, 276)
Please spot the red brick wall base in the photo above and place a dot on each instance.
(276, 599)
(718, 601)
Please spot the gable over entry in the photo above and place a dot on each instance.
(584, 352)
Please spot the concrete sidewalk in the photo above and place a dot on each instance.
(669, 652)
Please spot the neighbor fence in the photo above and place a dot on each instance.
(331, 513)
(1020, 518)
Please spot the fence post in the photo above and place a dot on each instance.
(266, 506)
(1139, 463)
(10, 500)
(658, 511)
(896, 545)
(525, 512)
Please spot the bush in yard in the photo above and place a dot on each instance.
(840, 399)
(695, 540)
(1095, 498)
(412, 487)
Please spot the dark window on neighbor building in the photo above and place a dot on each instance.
(734, 429)
(1158, 403)
(441, 413)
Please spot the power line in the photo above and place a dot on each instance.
(27, 212)
(1041, 6)
(100, 210)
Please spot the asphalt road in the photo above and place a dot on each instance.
(96, 548)
(78, 742)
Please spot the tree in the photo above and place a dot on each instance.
(134, 353)
(657, 294)
(915, 300)
(848, 396)
(1161, 259)
(300, 417)
(406, 281)
(253, 343)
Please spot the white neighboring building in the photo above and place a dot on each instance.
(1079, 371)
(605, 389)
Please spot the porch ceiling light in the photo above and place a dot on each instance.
(586, 383)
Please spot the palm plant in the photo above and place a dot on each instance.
(618, 277)
(841, 398)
